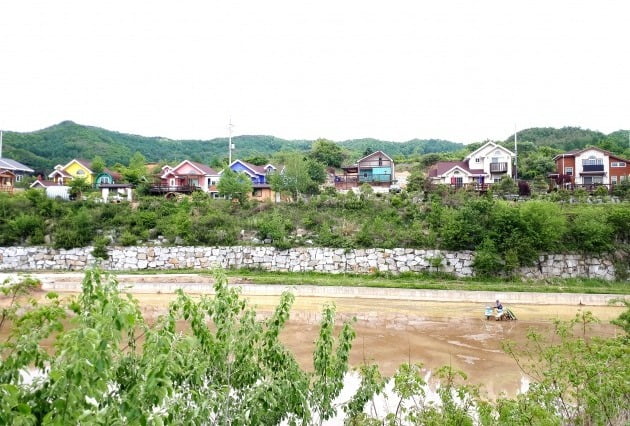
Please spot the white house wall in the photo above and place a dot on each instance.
(579, 179)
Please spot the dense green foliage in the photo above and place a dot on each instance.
(211, 361)
(505, 234)
(58, 144)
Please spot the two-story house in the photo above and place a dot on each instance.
(186, 177)
(80, 168)
(592, 166)
(376, 169)
(486, 165)
(261, 190)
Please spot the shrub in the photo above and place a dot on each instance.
(100, 248)
(128, 239)
(487, 261)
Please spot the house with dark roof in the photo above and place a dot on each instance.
(18, 169)
(486, 165)
(261, 190)
(590, 167)
(376, 169)
(43, 184)
(188, 176)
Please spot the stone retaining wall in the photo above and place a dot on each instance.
(318, 259)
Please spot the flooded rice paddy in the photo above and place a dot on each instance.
(390, 332)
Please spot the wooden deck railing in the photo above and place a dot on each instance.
(163, 189)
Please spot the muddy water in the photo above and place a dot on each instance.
(390, 332)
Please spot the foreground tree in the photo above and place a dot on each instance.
(109, 366)
(230, 368)
(236, 186)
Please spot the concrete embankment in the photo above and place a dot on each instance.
(202, 284)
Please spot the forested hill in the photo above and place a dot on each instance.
(43, 149)
(568, 138)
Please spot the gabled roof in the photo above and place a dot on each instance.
(8, 164)
(202, 168)
(257, 170)
(60, 172)
(575, 152)
(82, 162)
(371, 154)
(485, 145)
(6, 173)
(43, 183)
(443, 167)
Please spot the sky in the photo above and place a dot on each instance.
(458, 70)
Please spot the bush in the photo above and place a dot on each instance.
(128, 239)
(74, 231)
(100, 248)
(276, 228)
(487, 261)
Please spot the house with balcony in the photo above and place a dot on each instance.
(484, 166)
(590, 167)
(376, 169)
(186, 177)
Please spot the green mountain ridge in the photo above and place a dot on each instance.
(58, 144)
(45, 148)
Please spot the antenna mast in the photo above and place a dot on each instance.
(515, 155)
(230, 145)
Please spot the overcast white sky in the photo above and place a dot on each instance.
(459, 70)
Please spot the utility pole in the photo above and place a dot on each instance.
(515, 155)
(0, 143)
(230, 145)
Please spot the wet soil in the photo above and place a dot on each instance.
(390, 332)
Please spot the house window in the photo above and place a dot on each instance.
(593, 180)
(477, 160)
(80, 172)
(495, 159)
(617, 164)
(568, 171)
(613, 179)
(257, 193)
(497, 180)
(380, 161)
(592, 161)
(18, 178)
(457, 181)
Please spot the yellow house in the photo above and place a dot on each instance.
(76, 168)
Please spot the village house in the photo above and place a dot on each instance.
(261, 190)
(589, 167)
(18, 169)
(484, 166)
(186, 177)
(376, 169)
(79, 168)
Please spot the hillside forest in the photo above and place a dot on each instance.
(58, 144)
